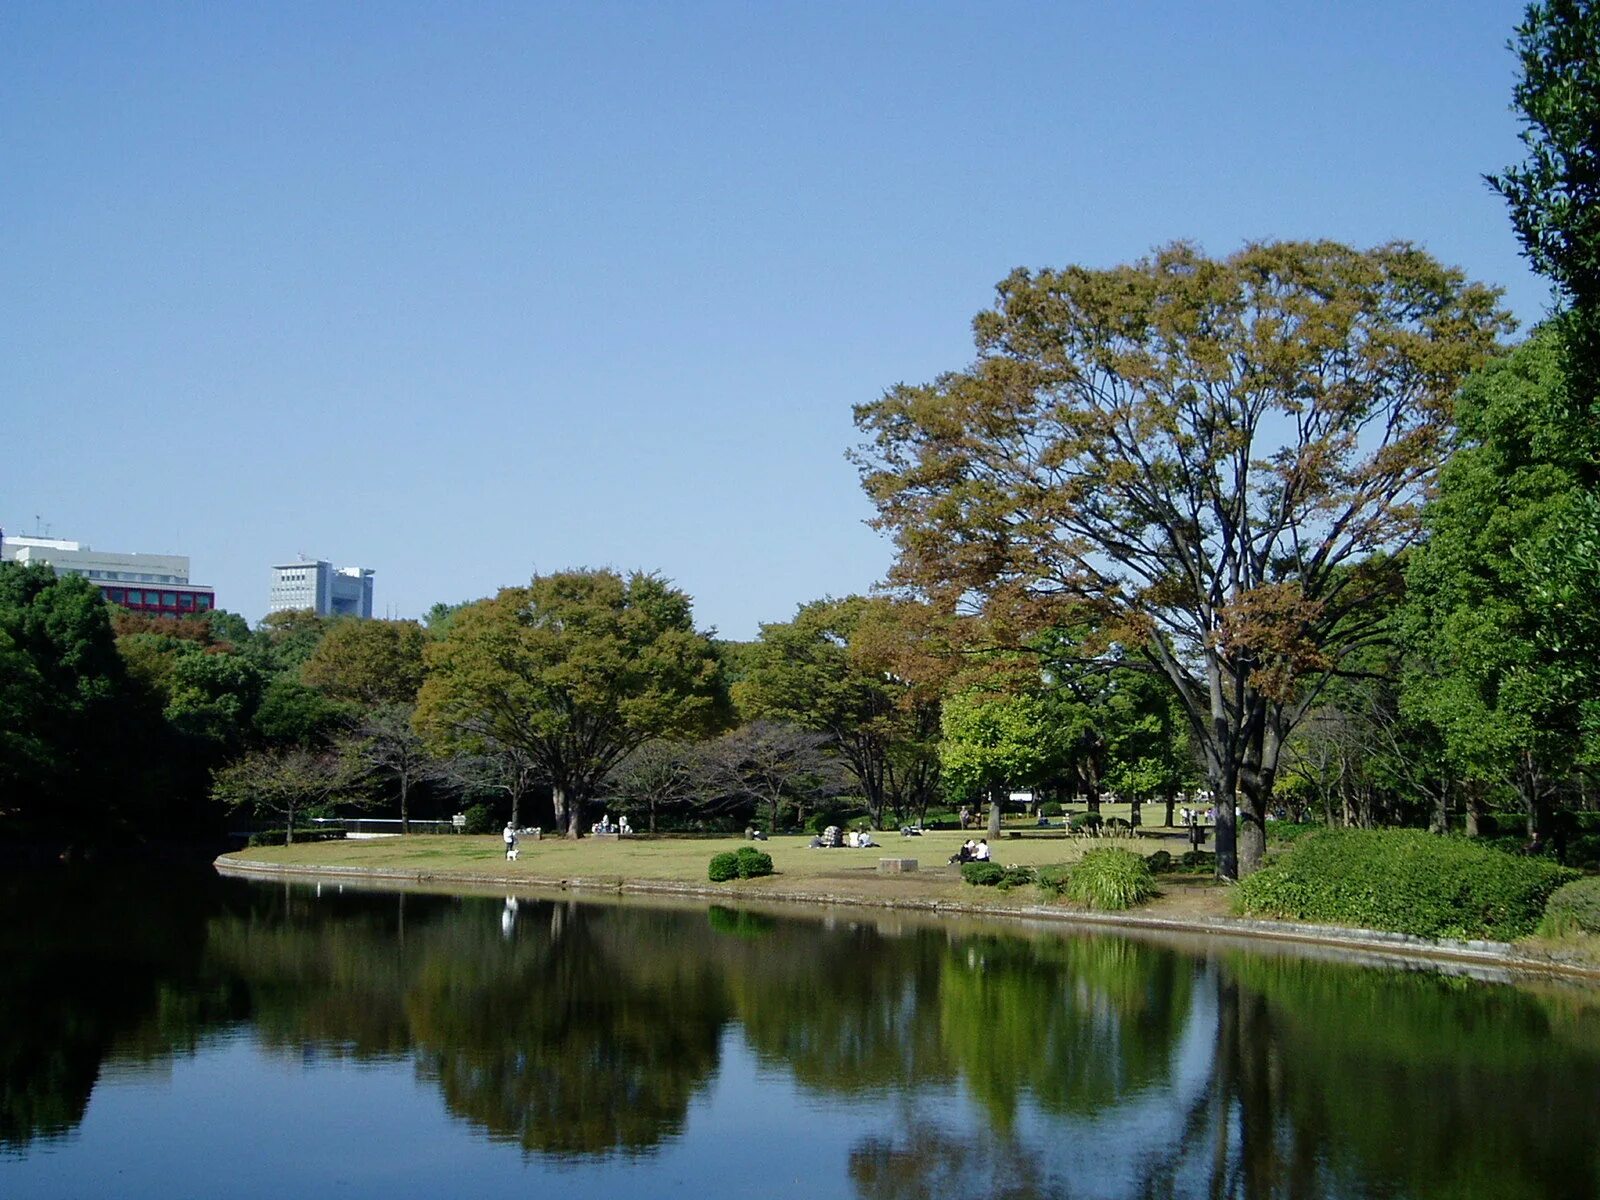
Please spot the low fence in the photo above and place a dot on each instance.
(359, 826)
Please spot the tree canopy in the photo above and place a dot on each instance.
(575, 670)
(1211, 457)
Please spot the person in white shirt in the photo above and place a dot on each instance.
(981, 853)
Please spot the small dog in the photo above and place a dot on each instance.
(511, 854)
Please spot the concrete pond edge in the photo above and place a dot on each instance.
(1504, 955)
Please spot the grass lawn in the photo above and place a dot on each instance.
(665, 858)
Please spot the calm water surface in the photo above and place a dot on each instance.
(167, 1035)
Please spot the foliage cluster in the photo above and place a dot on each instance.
(1574, 907)
(1407, 881)
(745, 863)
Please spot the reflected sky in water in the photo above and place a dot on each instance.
(168, 1035)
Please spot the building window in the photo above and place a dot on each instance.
(186, 600)
(169, 599)
(116, 595)
(202, 603)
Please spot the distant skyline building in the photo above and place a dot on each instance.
(149, 583)
(345, 592)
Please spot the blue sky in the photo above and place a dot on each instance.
(460, 292)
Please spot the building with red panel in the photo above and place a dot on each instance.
(148, 583)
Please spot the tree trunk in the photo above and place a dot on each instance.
(1474, 811)
(994, 813)
(1135, 814)
(1091, 783)
(405, 804)
(288, 827)
(1172, 800)
(1440, 824)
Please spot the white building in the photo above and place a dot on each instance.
(345, 592)
(123, 579)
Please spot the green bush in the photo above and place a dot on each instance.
(982, 874)
(276, 837)
(1014, 876)
(1086, 822)
(724, 866)
(1121, 823)
(1159, 861)
(478, 819)
(1050, 808)
(1574, 907)
(1052, 881)
(1198, 862)
(1111, 878)
(1292, 831)
(1584, 852)
(1407, 881)
(750, 862)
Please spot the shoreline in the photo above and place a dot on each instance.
(1503, 955)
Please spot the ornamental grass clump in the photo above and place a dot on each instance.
(1407, 881)
(1111, 878)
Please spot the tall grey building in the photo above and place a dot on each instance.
(345, 592)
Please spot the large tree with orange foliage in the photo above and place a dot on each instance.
(1211, 460)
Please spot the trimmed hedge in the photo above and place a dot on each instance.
(1407, 881)
(1111, 878)
(744, 863)
(753, 862)
(1161, 860)
(1574, 907)
(1085, 822)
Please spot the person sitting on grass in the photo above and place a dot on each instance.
(980, 852)
(966, 853)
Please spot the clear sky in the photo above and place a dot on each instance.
(463, 291)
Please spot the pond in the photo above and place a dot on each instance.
(166, 1035)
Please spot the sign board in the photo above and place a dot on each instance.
(1022, 797)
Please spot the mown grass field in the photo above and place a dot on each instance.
(682, 859)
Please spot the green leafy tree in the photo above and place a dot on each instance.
(1508, 701)
(287, 784)
(1206, 456)
(575, 670)
(1554, 194)
(995, 740)
(849, 669)
(386, 751)
(67, 710)
(369, 663)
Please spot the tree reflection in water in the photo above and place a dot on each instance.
(975, 1063)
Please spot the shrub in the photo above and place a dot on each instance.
(724, 866)
(1159, 861)
(1198, 862)
(1086, 822)
(1574, 907)
(1121, 824)
(750, 862)
(1052, 881)
(1014, 876)
(1292, 831)
(1407, 881)
(1584, 852)
(1050, 808)
(478, 819)
(1111, 878)
(982, 874)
